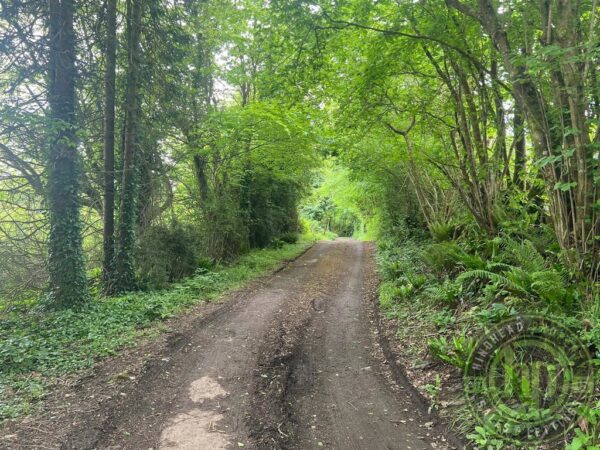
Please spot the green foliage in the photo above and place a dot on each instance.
(397, 142)
(434, 391)
(289, 237)
(469, 285)
(312, 230)
(443, 231)
(495, 278)
(246, 182)
(455, 351)
(167, 254)
(529, 277)
(443, 319)
(445, 292)
(224, 235)
(484, 439)
(388, 294)
(587, 436)
(268, 206)
(448, 257)
(496, 312)
(524, 254)
(334, 201)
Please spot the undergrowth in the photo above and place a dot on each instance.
(36, 347)
(451, 289)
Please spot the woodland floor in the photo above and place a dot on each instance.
(293, 361)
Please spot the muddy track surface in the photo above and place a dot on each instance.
(293, 363)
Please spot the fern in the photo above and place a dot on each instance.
(525, 255)
(446, 292)
(472, 262)
(491, 276)
(519, 277)
(550, 286)
(498, 266)
(442, 231)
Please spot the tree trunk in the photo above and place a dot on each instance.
(199, 167)
(109, 146)
(569, 179)
(124, 262)
(66, 263)
(520, 155)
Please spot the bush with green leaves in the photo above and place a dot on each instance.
(444, 231)
(166, 254)
(587, 435)
(450, 257)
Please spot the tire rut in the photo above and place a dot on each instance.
(291, 362)
(334, 390)
(171, 405)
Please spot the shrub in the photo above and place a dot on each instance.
(444, 257)
(289, 237)
(277, 243)
(443, 231)
(547, 285)
(167, 254)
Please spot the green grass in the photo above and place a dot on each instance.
(36, 347)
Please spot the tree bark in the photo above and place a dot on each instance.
(520, 155)
(124, 261)
(557, 130)
(66, 262)
(109, 145)
(199, 167)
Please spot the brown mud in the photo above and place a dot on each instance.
(293, 361)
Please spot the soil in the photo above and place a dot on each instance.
(296, 360)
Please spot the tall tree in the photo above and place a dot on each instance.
(124, 261)
(557, 99)
(520, 151)
(109, 143)
(66, 264)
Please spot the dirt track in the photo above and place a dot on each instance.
(292, 362)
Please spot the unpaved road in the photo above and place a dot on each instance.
(293, 363)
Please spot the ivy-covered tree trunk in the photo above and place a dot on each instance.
(109, 146)
(66, 263)
(125, 261)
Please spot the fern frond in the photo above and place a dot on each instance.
(550, 286)
(491, 276)
(498, 266)
(519, 277)
(525, 255)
